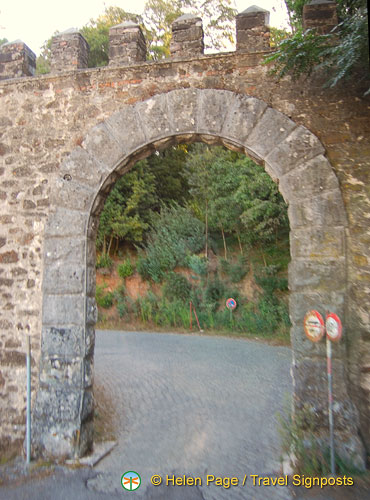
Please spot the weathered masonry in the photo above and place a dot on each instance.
(67, 136)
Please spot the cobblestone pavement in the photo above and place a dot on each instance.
(192, 405)
(185, 404)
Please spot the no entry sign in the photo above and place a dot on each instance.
(231, 303)
(314, 326)
(333, 327)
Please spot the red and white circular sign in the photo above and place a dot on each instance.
(333, 327)
(314, 326)
(231, 303)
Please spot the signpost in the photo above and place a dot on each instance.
(333, 333)
(231, 305)
(315, 328)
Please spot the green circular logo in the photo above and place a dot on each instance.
(130, 480)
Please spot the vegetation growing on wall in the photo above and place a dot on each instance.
(341, 54)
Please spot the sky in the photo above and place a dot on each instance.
(34, 21)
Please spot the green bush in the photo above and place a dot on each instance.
(235, 271)
(125, 269)
(103, 299)
(103, 261)
(197, 264)
(176, 287)
(175, 233)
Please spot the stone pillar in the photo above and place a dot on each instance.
(187, 36)
(16, 59)
(69, 50)
(126, 44)
(320, 14)
(252, 30)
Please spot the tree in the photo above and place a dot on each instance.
(96, 33)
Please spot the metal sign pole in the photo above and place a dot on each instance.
(330, 398)
(28, 427)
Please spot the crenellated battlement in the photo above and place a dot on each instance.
(127, 44)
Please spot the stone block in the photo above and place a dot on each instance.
(321, 15)
(69, 51)
(271, 129)
(212, 111)
(62, 278)
(126, 128)
(126, 44)
(326, 210)
(154, 117)
(55, 406)
(60, 372)
(65, 342)
(64, 249)
(325, 276)
(299, 147)
(187, 36)
(242, 118)
(16, 60)
(60, 310)
(80, 166)
(183, 110)
(71, 194)
(103, 146)
(317, 243)
(65, 222)
(252, 31)
(308, 179)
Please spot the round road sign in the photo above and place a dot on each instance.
(231, 303)
(333, 327)
(314, 326)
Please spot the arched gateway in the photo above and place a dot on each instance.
(291, 154)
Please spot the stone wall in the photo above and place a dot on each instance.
(44, 119)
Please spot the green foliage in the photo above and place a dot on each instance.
(103, 299)
(104, 261)
(175, 234)
(300, 54)
(341, 53)
(125, 269)
(43, 60)
(176, 287)
(269, 281)
(198, 264)
(214, 291)
(235, 271)
(96, 33)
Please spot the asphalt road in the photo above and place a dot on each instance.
(185, 405)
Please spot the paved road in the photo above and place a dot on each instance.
(186, 404)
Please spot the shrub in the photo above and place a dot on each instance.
(103, 299)
(197, 264)
(125, 269)
(235, 271)
(174, 234)
(176, 287)
(104, 261)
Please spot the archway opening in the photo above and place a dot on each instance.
(193, 251)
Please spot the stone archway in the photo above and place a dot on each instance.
(292, 155)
